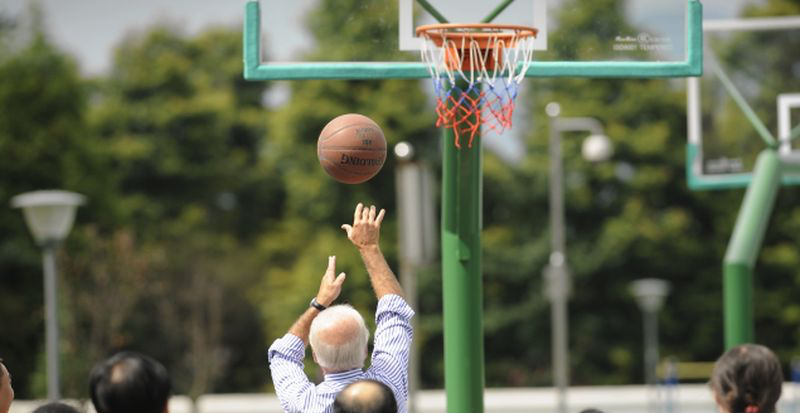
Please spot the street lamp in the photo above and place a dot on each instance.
(650, 294)
(596, 148)
(417, 235)
(49, 216)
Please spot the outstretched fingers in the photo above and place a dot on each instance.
(380, 216)
(365, 215)
(340, 279)
(358, 214)
(331, 265)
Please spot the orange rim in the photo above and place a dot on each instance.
(477, 31)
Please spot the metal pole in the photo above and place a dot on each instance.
(461, 275)
(409, 199)
(51, 322)
(557, 243)
(743, 248)
(650, 347)
(558, 273)
(559, 342)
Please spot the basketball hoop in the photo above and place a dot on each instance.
(491, 58)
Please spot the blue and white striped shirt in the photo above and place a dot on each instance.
(389, 363)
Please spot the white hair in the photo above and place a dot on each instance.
(339, 338)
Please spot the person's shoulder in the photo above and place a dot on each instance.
(393, 303)
(289, 343)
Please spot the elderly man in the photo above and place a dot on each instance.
(6, 391)
(339, 336)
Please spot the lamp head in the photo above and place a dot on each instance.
(597, 148)
(49, 214)
(404, 151)
(650, 293)
(553, 109)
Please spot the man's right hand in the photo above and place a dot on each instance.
(366, 228)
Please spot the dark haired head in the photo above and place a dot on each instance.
(6, 391)
(129, 382)
(365, 396)
(591, 411)
(747, 378)
(55, 407)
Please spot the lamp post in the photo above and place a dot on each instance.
(417, 235)
(596, 148)
(49, 216)
(650, 294)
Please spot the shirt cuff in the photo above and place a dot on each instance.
(290, 346)
(392, 303)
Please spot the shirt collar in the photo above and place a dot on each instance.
(343, 375)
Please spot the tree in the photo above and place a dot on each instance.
(182, 130)
(44, 144)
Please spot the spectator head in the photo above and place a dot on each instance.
(365, 396)
(339, 339)
(129, 382)
(55, 407)
(6, 391)
(591, 411)
(747, 379)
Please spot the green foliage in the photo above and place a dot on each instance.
(43, 144)
(183, 131)
(166, 150)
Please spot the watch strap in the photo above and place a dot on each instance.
(316, 305)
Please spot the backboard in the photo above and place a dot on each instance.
(723, 141)
(375, 39)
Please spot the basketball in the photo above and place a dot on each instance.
(351, 148)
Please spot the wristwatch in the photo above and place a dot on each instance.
(316, 305)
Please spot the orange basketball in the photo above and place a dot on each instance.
(351, 148)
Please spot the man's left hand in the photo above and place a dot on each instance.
(331, 285)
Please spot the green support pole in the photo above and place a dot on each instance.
(461, 275)
(744, 246)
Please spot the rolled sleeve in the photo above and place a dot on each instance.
(392, 303)
(393, 335)
(286, 366)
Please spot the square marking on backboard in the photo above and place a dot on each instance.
(528, 12)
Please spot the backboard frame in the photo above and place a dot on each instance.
(696, 179)
(256, 69)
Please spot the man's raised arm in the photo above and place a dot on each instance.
(365, 234)
(286, 353)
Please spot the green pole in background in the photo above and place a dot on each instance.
(461, 274)
(744, 246)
